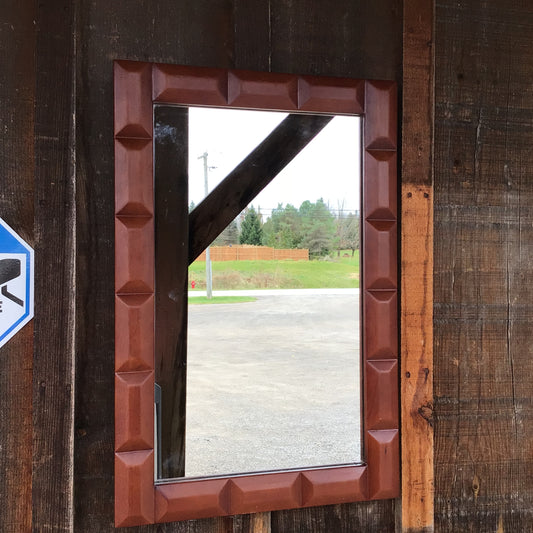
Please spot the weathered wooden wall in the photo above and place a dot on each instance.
(56, 175)
(483, 266)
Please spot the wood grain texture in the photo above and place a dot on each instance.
(55, 287)
(17, 98)
(343, 518)
(483, 267)
(345, 38)
(417, 270)
(260, 523)
(417, 357)
(252, 30)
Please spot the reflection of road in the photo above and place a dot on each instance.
(273, 383)
(280, 292)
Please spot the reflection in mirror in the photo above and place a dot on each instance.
(272, 360)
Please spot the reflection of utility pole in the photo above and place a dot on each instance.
(208, 274)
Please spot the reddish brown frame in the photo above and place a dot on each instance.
(140, 500)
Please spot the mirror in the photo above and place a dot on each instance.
(156, 239)
(272, 382)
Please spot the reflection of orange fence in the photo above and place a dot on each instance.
(246, 252)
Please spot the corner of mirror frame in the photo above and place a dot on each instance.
(138, 498)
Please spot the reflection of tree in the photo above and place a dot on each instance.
(318, 227)
(251, 231)
(317, 240)
(312, 226)
(348, 232)
(230, 235)
(283, 228)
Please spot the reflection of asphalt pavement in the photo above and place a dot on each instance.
(280, 292)
(273, 383)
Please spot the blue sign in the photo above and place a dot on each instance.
(16, 283)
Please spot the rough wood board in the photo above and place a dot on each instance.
(483, 267)
(260, 523)
(417, 358)
(209, 525)
(251, 523)
(252, 35)
(417, 117)
(417, 270)
(55, 290)
(344, 518)
(17, 94)
(337, 38)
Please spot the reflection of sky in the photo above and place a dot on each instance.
(327, 168)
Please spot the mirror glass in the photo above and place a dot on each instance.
(273, 336)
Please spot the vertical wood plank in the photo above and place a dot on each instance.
(17, 99)
(344, 38)
(260, 523)
(417, 358)
(341, 518)
(253, 35)
(55, 267)
(417, 270)
(483, 266)
(250, 523)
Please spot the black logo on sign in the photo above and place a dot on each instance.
(9, 270)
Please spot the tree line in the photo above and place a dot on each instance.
(312, 226)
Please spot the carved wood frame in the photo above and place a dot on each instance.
(138, 498)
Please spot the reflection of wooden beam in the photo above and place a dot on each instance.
(249, 178)
(171, 215)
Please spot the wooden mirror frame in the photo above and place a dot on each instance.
(139, 499)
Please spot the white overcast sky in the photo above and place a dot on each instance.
(328, 167)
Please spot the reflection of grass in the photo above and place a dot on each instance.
(221, 299)
(337, 272)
